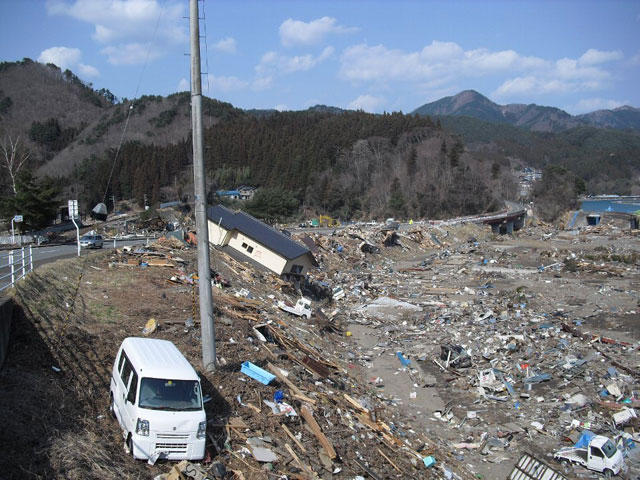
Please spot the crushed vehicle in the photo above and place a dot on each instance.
(302, 308)
(595, 452)
(156, 396)
(337, 293)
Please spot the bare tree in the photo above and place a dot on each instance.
(14, 157)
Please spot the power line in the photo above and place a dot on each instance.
(126, 124)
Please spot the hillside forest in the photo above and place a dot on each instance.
(347, 164)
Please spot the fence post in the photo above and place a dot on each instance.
(13, 276)
(30, 259)
(24, 266)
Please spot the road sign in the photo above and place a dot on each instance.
(73, 208)
(18, 218)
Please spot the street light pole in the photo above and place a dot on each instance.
(202, 230)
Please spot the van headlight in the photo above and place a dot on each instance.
(202, 430)
(142, 427)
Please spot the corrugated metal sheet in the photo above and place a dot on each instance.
(257, 230)
(529, 468)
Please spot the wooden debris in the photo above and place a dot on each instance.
(293, 437)
(306, 468)
(276, 371)
(307, 414)
(389, 460)
(355, 403)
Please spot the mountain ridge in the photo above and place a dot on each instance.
(529, 116)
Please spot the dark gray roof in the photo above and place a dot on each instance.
(259, 231)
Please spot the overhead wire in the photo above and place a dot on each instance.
(126, 123)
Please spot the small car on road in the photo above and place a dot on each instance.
(91, 241)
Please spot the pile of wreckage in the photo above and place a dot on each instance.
(521, 383)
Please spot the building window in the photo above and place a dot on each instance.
(296, 269)
(250, 249)
(244, 245)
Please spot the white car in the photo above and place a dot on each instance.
(156, 397)
(91, 241)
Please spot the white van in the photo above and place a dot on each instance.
(157, 399)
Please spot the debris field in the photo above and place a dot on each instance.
(452, 353)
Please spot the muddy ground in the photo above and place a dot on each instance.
(71, 317)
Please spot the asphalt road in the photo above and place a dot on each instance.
(51, 253)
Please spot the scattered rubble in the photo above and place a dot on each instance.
(450, 353)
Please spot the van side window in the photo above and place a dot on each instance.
(131, 396)
(126, 372)
(122, 357)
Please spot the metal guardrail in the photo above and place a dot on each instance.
(14, 266)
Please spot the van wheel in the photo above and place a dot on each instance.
(129, 446)
(112, 408)
(608, 473)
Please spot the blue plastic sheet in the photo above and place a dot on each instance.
(585, 438)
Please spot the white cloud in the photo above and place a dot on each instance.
(226, 45)
(63, 57)
(130, 53)
(129, 24)
(444, 63)
(88, 70)
(593, 56)
(368, 103)
(226, 84)
(296, 32)
(281, 107)
(273, 63)
(262, 83)
(562, 76)
(183, 85)
(68, 58)
(591, 104)
(438, 61)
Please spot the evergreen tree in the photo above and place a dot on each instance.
(272, 205)
(37, 201)
(396, 203)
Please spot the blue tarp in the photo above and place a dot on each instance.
(405, 361)
(585, 438)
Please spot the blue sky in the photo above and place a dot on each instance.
(375, 55)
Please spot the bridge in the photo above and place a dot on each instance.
(506, 223)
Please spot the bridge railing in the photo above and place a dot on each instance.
(14, 266)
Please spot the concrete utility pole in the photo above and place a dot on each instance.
(202, 230)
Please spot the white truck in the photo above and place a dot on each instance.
(302, 308)
(600, 455)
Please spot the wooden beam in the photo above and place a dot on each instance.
(276, 371)
(293, 437)
(389, 460)
(307, 414)
(306, 468)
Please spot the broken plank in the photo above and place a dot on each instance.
(355, 403)
(306, 468)
(367, 469)
(293, 437)
(276, 371)
(315, 366)
(389, 460)
(307, 414)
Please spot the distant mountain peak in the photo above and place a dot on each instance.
(470, 103)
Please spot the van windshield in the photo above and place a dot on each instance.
(174, 395)
(609, 449)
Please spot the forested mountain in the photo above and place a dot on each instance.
(608, 160)
(62, 121)
(349, 164)
(621, 118)
(531, 117)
